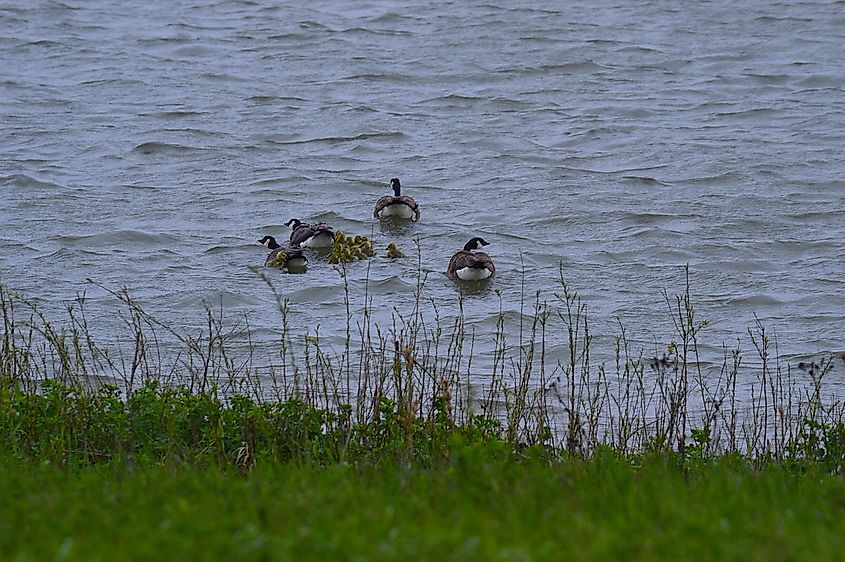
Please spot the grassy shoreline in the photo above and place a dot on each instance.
(92, 477)
(483, 504)
(411, 381)
(388, 449)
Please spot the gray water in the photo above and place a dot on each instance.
(151, 144)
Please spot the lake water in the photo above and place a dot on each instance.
(151, 144)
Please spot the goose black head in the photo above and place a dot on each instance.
(270, 242)
(475, 243)
(396, 186)
(293, 223)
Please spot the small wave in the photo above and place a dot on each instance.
(659, 218)
(637, 49)
(803, 247)
(44, 43)
(390, 135)
(725, 177)
(755, 300)
(266, 98)
(113, 82)
(639, 231)
(756, 113)
(229, 249)
(14, 247)
(379, 77)
(744, 266)
(822, 81)
(154, 147)
(152, 41)
(602, 41)
(194, 302)
(635, 112)
(120, 237)
(581, 67)
(390, 285)
(361, 108)
(610, 170)
(394, 17)
(275, 181)
(174, 114)
(823, 218)
(769, 78)
(774, 19)
(512, 316)
(325, 294)
(835, 186)
(315, 25)
(23, 180)
(510, 104)
(617, 257)
(193, 51)
(648, 180)
(366, 31)
(572, 67)
(453, 99)
(292, 36)
(364, 148)
(551, 220)
(541, 39)
(223, 77)
(68, 253)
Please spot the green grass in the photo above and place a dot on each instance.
(177, 475)
(399, 455)
(482, 504)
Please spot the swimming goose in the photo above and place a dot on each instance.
(397, 205)
(283, 257)
(318, 235)
(469, 265)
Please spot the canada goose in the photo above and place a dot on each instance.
(318, 235)
(393, 252)
(397, 205)
(283, 257)
(468, 265)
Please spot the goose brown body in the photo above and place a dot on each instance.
(281, 256)
(317, 235)
(471, 265)
(397, 205)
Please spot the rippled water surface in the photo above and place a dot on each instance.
(151, 144)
